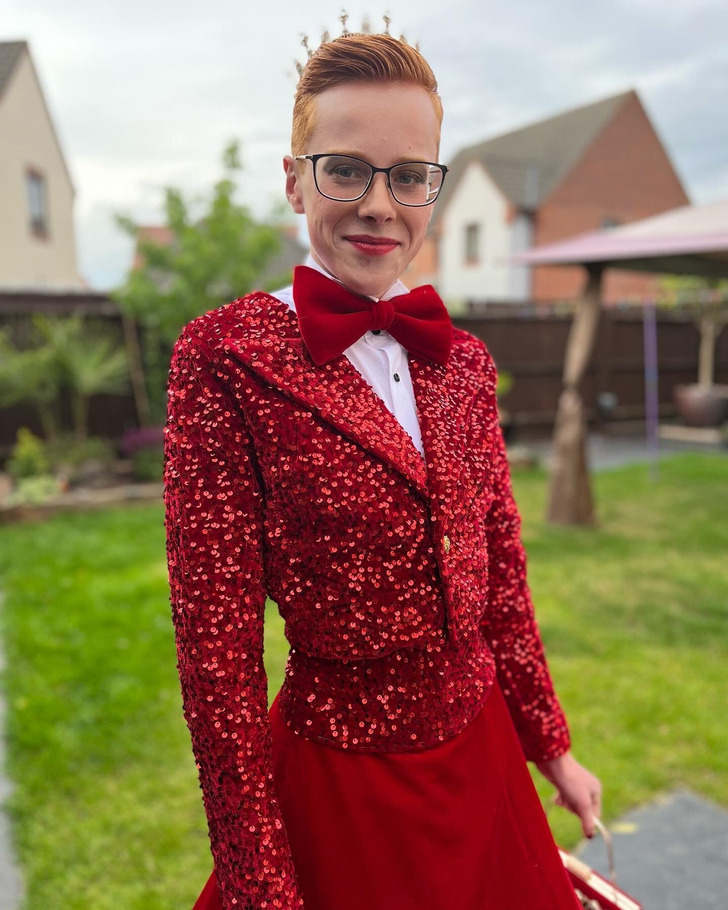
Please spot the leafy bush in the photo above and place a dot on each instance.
(69, 453)
(139, 438)
(145, 447)
(68, 353)
(504, 384)
(148, 464)
(29, 457)
(34, 491)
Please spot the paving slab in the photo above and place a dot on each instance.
(670, 855)
(607, 451)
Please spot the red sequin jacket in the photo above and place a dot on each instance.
(402, 581)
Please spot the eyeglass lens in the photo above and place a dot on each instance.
(343, 178)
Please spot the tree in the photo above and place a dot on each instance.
(31, 375)
(65, 354)
(570, 493)
(90, 362)
(215, 255)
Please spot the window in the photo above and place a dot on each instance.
(37, 203)
(472, 244)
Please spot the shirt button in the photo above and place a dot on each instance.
(396, 377)
(446, 543)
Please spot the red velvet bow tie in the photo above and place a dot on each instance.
(332, 318)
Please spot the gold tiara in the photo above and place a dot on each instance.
(345, 33)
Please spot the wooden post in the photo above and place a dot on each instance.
(570, 498)
(652, 387)
(706, 355)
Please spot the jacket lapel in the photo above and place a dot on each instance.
(444, 396)
(270, 343)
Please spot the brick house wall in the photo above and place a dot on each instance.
(624, 175)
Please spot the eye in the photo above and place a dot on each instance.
(344, 169)
(410, 178)
(411, 175)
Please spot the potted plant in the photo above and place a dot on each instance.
(703, 403)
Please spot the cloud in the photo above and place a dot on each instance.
(147, 95)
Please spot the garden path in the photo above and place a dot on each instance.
(606, 451)
(671, 854)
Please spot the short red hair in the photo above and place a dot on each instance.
(357, 58)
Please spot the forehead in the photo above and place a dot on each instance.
(380, 122)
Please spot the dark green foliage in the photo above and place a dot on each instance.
(69, 353)
(148, 464)
(29, 457)
(217, 253)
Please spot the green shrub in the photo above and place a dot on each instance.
(148, 464)
(29, 457)
(68, 453)
(504, 384)
(34, 491)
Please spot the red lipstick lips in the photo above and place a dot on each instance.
(372, 246)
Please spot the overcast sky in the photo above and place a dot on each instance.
(146, 94)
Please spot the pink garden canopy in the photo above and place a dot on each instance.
(690, 240)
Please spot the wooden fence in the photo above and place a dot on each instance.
(530, 342)
(526, 341)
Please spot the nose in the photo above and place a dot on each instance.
(377, 204)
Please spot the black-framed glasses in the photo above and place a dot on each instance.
(345, 178)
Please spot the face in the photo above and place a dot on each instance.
(366, 244)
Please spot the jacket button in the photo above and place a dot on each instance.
(446, 543)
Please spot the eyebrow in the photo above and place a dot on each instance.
(352, 154)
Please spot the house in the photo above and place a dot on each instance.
(591, 167)
(37, 237)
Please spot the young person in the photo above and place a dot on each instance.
(336, 446)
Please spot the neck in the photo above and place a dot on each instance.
(315, 260)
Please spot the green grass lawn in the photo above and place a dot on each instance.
(106, 805)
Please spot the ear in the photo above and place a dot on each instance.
(294, 192)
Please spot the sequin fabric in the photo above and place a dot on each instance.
(401, 579)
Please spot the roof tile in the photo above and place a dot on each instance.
(527, 164)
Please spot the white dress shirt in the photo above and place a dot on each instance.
(381, 360)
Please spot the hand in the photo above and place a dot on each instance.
(578, 789)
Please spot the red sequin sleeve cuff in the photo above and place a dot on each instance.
(509, 624)
(214, 543)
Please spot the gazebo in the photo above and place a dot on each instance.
(690, 240)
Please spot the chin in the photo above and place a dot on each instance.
(370, 279)
(372, 282)
(369, 287)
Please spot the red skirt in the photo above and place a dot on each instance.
(456, 826)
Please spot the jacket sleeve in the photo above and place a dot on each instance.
(214, 520)
(509, 624)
